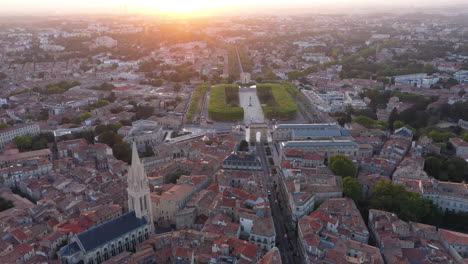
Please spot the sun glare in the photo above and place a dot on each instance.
(180, 8)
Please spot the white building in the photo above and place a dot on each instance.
(460, 146)
(461, 76)
(142, 132)
(8, 134)
(53, 48)
(449, 196)
(421, 80)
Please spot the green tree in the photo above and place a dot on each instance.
(99, 129)
(5, 204)
(457, 169)
(177, 87)
(352, 188)
(43, 115)
(82, 117)
(107, 137)
(407, 205)
(440, 137)
(122, 151)
(114, 127)
(370, 123)
(23, 143)
(451, 82)
(101, 103)
(174, 177)
(465, 137)
(39, 144)
(433, 166)
(148, 151)
(4, 125)
(388, 197)
(143, 112)
(341, 165)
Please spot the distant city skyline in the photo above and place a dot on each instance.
(195, 8)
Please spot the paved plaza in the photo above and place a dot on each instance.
(253, 112)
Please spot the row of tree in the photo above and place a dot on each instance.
(386, 196)
(27, 143)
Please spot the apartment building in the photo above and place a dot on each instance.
(8, 134)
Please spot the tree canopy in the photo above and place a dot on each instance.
(452, 169)
(352, 188)
(370, 123)
(23, 143)
(122, 151)
(341, 165)
(5, 204)
(407, 205)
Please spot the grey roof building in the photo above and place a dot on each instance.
(242, 162)
(326, 147)
(105, 240)
(285, 132)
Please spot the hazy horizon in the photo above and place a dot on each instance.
(207, 7)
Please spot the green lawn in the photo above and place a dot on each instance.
(224, 103)
(278, 103)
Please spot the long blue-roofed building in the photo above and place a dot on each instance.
(325, 139)
(324, 147)
(286, 132)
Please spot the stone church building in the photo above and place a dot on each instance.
(123, 233)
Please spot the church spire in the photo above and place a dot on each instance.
(138, 190)
(135, 157)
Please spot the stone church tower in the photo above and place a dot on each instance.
(139, 199)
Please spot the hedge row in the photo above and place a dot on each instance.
(234, 68)
(292, 90)
(218, 109)
(284, 108)
(246, 61)
(195, 106)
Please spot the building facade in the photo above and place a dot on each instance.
(8, 134)
(327, 147)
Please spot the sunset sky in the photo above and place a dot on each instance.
(183, 7)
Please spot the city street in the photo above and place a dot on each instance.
(286, 238)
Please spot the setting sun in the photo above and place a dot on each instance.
(181, 8)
